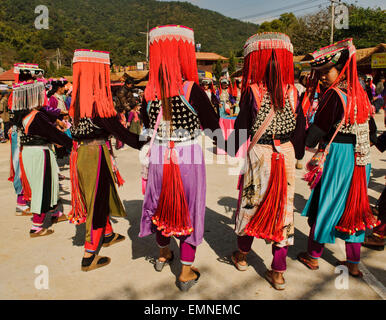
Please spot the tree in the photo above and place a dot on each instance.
(217, 69)
(232, 63)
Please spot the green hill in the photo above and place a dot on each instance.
(111, 25)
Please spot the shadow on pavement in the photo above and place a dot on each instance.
(147, 247)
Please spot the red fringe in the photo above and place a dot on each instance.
(172, 216)
(177, 60)
(358, 214)
(268, 222)
(78, 212)
(92, 87)
(12, 169)
(27, 194)
(256, 62)
(120, 180)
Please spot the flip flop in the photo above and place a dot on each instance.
(372, 242)
(58, 219)
(116, 238)
(277, 286)
(355, 275)
(236, 263)
(97, 262)
(42, 233)
(186, 285)
(23, 213)
(302, 258)
(159, 265)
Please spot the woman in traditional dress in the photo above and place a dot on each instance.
(208, 87)
(23, 72)
(267, 186)
(134, 122)
(237, 89)
(174, 203)
(39, 171)
(94, 196)
(55, 95)
(338, 206)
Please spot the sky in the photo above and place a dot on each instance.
(258, 11)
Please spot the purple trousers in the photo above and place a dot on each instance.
(279, 263)
(315, 249)
(21, 201)
(187, 251)
(38, 219)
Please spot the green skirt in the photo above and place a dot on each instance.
(97, 186)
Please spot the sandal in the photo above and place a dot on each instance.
(57, 219)
(236, 263)
(186, 285)
(159, 265)
(276, 285)
(303, 257)
(97, 262)
(355, 275)
(23, 213)
(374, 243)
(41, 233)
(114, 238)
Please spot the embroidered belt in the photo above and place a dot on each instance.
(92, 142)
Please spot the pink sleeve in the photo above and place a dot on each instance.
(53, 102)
(131, 116)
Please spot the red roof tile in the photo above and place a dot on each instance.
(7, 75)
(209, 56)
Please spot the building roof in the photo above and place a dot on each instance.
(7, 76)
(364, 55)
(209, 56)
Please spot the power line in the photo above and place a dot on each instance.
(318, 5)
(277, 9)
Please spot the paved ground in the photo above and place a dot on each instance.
(131, 275)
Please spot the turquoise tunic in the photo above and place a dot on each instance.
(335, 186)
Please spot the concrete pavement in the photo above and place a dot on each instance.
(131, 274)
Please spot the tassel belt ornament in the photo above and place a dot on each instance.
(268, 221)
(172, 217)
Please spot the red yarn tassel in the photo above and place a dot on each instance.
(268, 222)
(120, 180)
(78, 212)
(358, 215)
(27, 194)
(172, 216)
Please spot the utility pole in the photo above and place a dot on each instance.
(332, 20)
(147, 41)
(58, 59)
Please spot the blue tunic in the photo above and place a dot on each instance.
(335, 187)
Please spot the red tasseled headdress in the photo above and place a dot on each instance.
(91, 85)
(258, 51)
(356, 95)
(172, 48)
